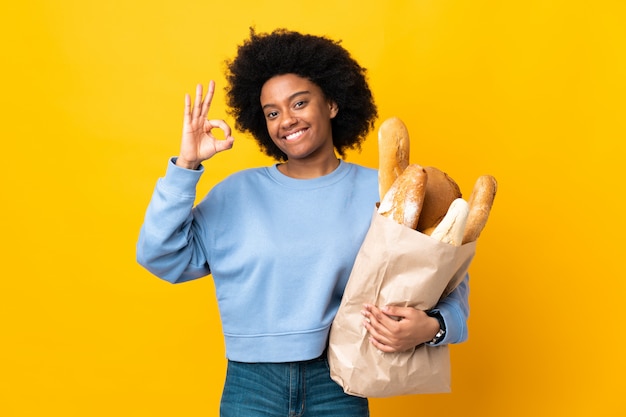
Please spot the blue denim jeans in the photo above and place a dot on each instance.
(293, 389)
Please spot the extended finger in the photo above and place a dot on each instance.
(397, 312)
(381, 346)
(197, 104)
(383, 318)
(375, 327)
(374, 330)
(206, 104)
(379, 340)
(187, 114)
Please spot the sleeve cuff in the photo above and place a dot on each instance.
(455, 328)
(180, 181)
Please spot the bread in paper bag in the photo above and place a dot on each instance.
(395, 266)
(421, 241)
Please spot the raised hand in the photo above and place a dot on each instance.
(198, 143)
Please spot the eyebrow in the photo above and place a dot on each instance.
(291, 97)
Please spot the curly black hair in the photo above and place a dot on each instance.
(321, 60)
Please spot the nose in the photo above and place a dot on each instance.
(288, 120)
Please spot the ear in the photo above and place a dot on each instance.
(334, 109)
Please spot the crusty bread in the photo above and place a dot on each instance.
(451, 228)
(480, 203)
(393, 153)
(441, 191)
(404, 200)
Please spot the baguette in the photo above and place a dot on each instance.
(480, 203)
(404, 200)
(452, 226)
(441, 191)
(393, 153)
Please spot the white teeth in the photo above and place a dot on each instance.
(294, 135)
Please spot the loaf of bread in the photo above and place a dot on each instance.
(404, 200)
(393, 153)
(451, 228)
(421, 197)
(480, 203)
(441, 191)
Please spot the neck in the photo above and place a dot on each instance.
(309, 169)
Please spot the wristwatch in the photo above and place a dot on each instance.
(442, 327)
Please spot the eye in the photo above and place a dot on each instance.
(271, 115)
(299, 104)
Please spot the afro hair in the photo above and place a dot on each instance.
(319, 59)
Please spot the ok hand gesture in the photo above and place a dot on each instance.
(198, 143)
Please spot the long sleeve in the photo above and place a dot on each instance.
(167, 246)
(455, 311)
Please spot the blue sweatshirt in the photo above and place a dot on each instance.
(280, 251)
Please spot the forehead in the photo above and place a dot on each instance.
(284, 87)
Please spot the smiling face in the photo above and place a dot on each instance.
(298, 117)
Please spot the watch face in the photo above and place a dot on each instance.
(438, 337)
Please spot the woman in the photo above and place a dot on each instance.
(280, 241)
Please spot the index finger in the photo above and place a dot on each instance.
(219, 124)
(382, 315)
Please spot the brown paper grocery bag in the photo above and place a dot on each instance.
(398, 266)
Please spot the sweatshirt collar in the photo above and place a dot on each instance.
(341, 171)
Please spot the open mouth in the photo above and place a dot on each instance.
(295, 135)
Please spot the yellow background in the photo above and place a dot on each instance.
(529, 91)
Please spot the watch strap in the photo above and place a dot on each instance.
(442, 327)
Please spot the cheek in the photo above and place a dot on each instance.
(272, 131)
(270, 127)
